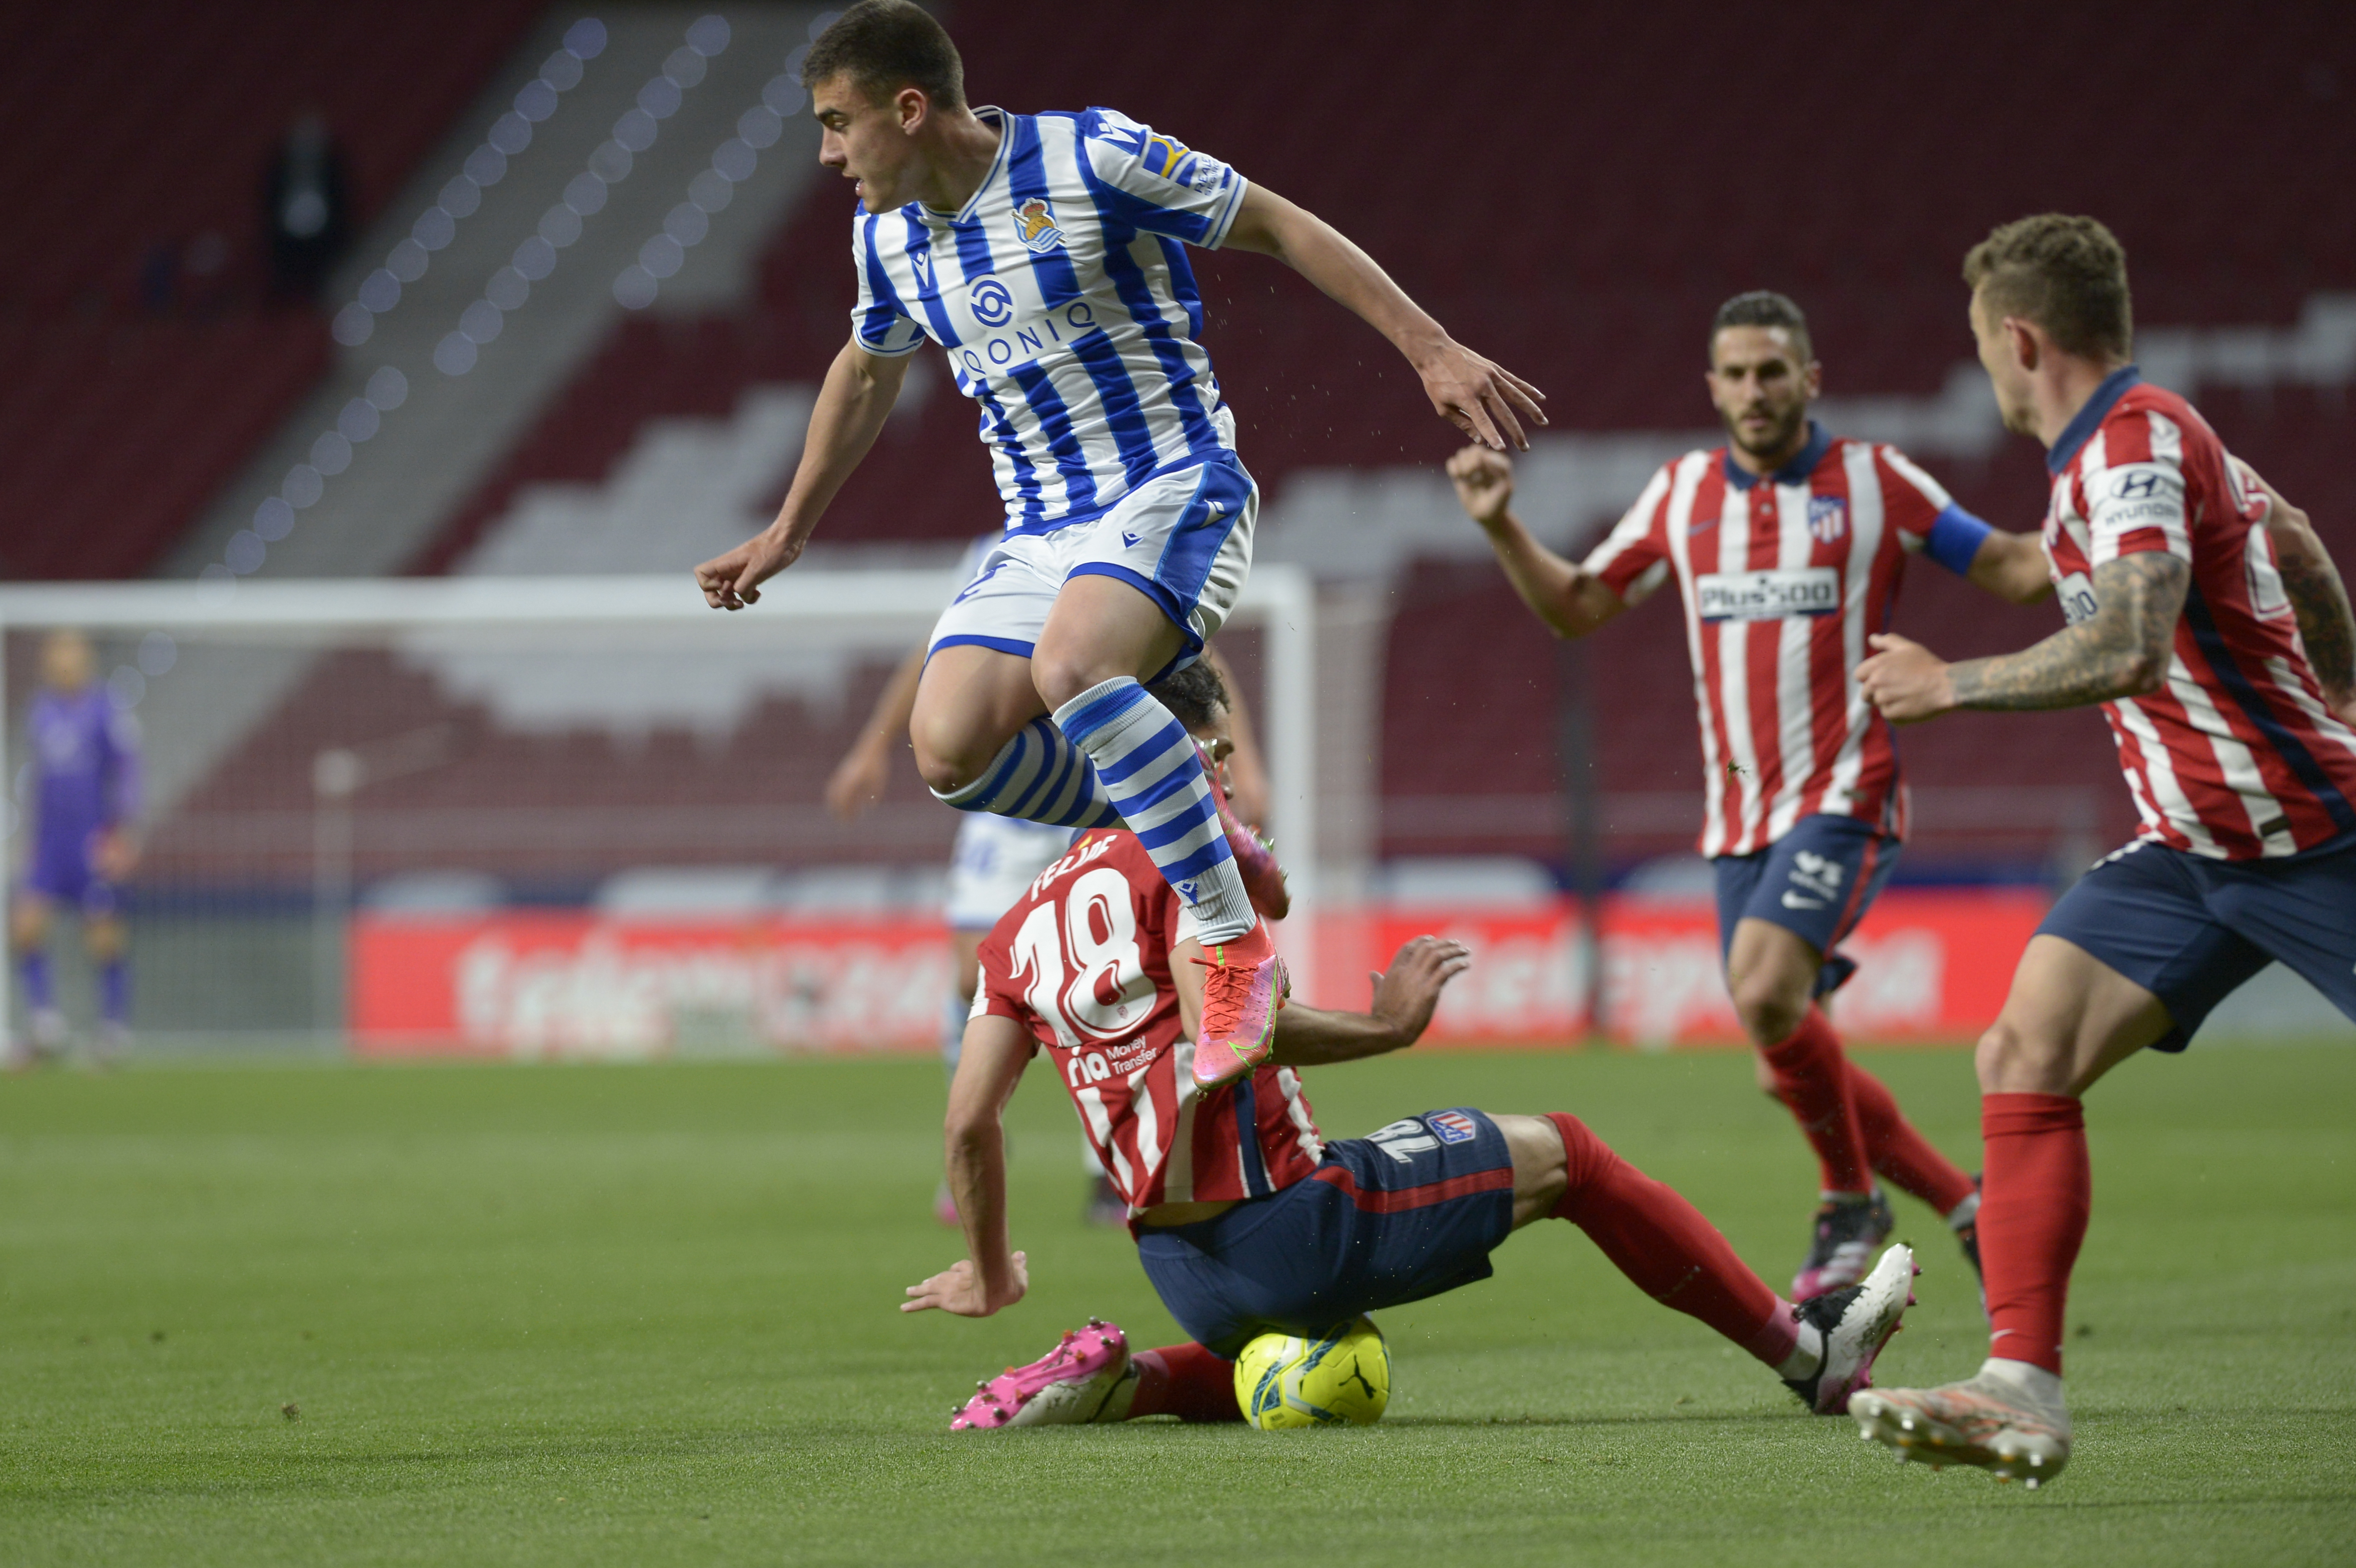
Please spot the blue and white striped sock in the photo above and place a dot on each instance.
(1039, 776)
(1146, 762)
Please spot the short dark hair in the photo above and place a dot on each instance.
(1763, 307)
(886, 45)
(2067, 275)
(1191, 693)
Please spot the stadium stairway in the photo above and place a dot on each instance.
(146, 357)
(314, 501)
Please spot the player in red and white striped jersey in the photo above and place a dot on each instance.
(1786, 545)
(2206, 618)
(1247, 1221)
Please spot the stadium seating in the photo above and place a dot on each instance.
(1573, 190)
(142, 138)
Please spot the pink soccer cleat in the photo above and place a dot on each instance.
(1242, 994)
(1254, 855)
(1087, 1377)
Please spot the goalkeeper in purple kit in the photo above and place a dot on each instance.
(82, 789)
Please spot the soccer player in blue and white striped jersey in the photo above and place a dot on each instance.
(1045, 254)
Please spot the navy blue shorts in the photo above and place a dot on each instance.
(1411, 1211)
(2190, 929)
(1816, 882)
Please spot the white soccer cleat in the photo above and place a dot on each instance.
(1856, 1324)
(1986, 1421)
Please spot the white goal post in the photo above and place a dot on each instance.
(804, 608)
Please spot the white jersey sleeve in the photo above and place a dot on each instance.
(1157, 183)
(878, 319)
(2138, 502)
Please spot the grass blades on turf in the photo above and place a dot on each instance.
(644, 1315)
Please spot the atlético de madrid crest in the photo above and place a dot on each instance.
(1035, 223)
(1828, 517)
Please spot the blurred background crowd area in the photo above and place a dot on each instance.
(368, 289)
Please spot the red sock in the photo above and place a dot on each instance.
(2033, 1211)
(1901, 1153)
(1660, 1240)
(1187, 1381)
(1812, 1078)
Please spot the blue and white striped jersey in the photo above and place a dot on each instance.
(1062, 296)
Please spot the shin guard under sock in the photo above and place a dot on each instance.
(1147, 764)
(1812, 1079)
(1187, 1382)
(1663, 1244)
(1899, 1153)
(2038, 1191)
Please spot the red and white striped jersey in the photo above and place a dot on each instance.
(1083, 961)
(2236, 758)
(1782, 579)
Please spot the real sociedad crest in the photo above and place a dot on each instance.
(1828, 517)
(1035, 223)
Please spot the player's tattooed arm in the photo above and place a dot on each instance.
(2121, 650)
(1569, 598)
(2318, 598)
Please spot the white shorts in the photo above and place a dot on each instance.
(1183, 540)
(994, 860)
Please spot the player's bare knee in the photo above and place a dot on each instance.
(946, 756)
(1541, 1166)
(1770, 1009)
(2014, 1059)
(1062, 673)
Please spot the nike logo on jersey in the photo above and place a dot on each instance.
(1794, 901)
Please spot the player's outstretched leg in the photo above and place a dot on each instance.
(1091, 1376)
(1823, 1349)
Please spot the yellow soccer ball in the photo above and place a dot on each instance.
(1343, 1375)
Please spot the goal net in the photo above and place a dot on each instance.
(508, 815)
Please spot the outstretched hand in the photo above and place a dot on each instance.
(1479, 397)
(959, 1289)
(732, 580)
(1905, 679)
(1407, 993)
(1484, 483)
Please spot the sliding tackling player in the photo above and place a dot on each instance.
(2206, 619)
(1045, 254)
(1247, 1220)
(995, 856)
(1786, 545)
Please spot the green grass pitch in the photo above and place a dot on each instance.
(578, 1315)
